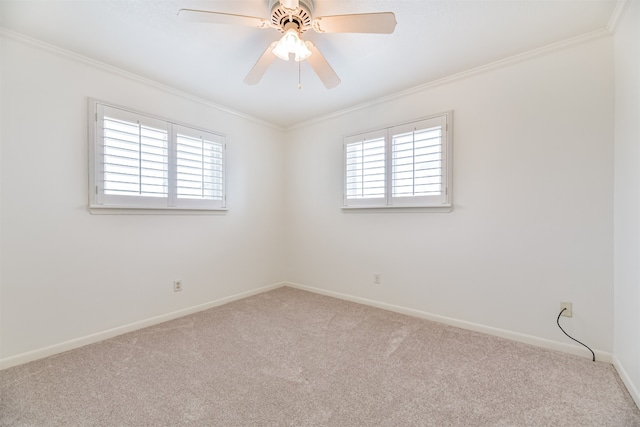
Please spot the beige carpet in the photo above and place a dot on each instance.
(293, 358)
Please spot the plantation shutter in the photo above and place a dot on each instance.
(365, 177)
(141, 162)
(418, 172)
(199, 167)
(407, 165)
(134, 158)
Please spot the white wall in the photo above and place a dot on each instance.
(66, 273)
(532, 223)
(533, 219)
(627, 201)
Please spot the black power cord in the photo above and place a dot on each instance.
(558, 322)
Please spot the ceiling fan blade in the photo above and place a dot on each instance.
(322, 67)
(261, 65)
(194, 15)
(378, 23)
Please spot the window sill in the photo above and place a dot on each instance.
(112, 210)
(412, 209)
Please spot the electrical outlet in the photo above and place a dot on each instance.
(376, 278)
(569, 309)
(177, 286)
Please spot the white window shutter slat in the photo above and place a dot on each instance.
(134, 155)
(365, 175)
(199, 165)
(417, 162)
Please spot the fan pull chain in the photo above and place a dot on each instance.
(299, 78)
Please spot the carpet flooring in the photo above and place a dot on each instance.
(293, 358)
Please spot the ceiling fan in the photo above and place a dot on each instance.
(293, 18)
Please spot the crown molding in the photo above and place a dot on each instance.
(618, 13)
(13, 35)
(524, 56)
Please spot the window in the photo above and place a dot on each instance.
(407, 165)
(138, 161)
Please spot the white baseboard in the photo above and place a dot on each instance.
(43, 352)
(601, 356)
(626, 379)
(515, 336)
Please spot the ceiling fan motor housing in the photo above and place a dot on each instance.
(284, 19)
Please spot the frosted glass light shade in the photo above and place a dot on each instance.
(291, 43)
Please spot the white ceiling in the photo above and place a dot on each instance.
(433, 39)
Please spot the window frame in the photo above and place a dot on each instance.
(99, 202)
(436, 203)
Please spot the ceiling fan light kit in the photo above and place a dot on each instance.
(291, 43)
(293, 18)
